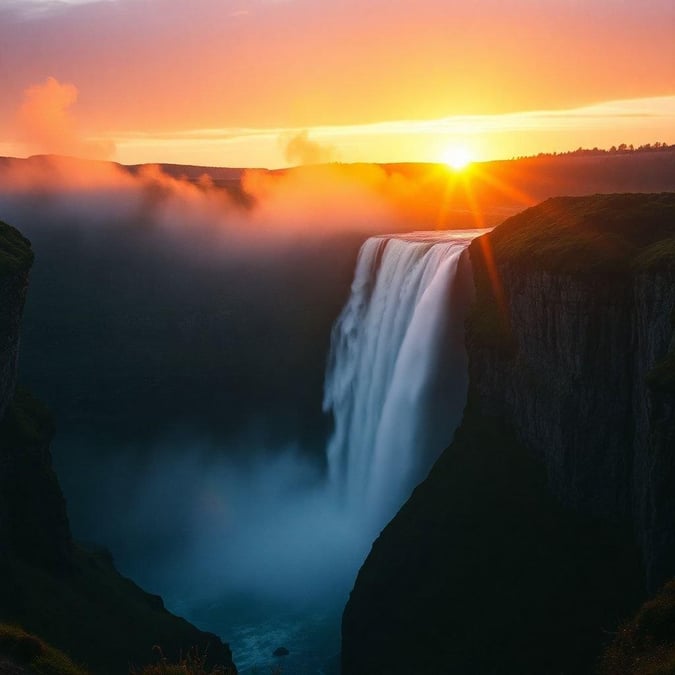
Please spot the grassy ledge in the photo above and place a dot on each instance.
(597, 237)
(36, 656)
(609, 233)
(646, 645)
(16, 254)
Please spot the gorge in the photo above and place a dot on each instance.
(396, 318)
(555, 492)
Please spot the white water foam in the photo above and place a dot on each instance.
(397, 373)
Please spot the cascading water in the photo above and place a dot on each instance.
(397, 374)
(274, 552)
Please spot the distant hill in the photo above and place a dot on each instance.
(433, 196)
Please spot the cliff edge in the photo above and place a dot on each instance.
(16, 258)
(69, 595)
(552, 514)
(580, 356)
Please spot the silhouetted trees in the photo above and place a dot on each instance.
(622, 149)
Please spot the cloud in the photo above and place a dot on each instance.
(37, 9)
(46, 125)
(300, 149)
(273, 209)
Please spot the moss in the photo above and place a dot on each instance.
(33, 653)
(101, 618)
(645, 645)
(585, 235)
(15, 251)
(27, 421)
(590, 237)
(660, 256)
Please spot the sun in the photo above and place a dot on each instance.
(457, 157)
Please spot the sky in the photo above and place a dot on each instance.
(282, 82)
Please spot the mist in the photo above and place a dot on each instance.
(198, 525)
(178, 324)
(152, 288)
(179, 328)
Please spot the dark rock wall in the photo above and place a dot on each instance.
(653, 476)
(552, 514)
(482, 571)
(73, 597)
(575, 389)
(33, 521)
(13, 287)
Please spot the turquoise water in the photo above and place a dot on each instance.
(255, 629)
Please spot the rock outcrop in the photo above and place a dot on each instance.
(71, 596)
(553, 511)
(33, 521)
(16, 258)
(591, 325)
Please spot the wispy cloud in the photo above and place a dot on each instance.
(45, 124)
(33, 9)
(662, 108)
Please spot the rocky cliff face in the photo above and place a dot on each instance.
(535, 532)
(580, 382)
(72, 597)
(33, 522)
(16, 258)
(577, 393)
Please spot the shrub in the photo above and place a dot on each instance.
(194, 663)
(33, 653)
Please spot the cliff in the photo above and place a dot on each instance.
(16, 258)
(587, 293)
(71, 596)
(553, 511)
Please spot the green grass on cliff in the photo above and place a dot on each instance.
(89, 610)
(15, 250)
(22, 653)
(26, 651)
(71, 596)
(598, 237)
(586, 235)
(658, 256)
(646, 645)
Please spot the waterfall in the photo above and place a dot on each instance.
(396, 378)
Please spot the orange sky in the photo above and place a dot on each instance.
(275, 82)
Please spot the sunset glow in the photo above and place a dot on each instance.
(265, 83)
(457, 157)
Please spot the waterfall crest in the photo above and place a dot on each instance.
(396, 378)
